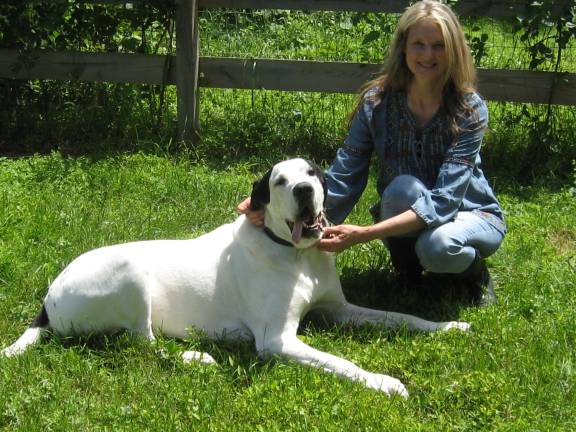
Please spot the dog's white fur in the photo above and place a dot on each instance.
(233, 282)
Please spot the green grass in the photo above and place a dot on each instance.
(514, 371)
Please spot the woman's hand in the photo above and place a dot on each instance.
(256, 217)
(340, 237)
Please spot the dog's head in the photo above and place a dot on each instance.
(293, 194)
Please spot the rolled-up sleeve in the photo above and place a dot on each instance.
(347, 177)
(440, 204)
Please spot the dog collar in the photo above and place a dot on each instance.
(275, 238)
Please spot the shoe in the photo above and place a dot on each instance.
(403, 255)
(406, 263)
(480, 283)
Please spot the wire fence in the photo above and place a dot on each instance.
(364, 37)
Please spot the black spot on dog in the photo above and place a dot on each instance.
(42, 319)
(260, 196)
(315, 170)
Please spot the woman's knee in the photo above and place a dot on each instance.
(439, 253)
(400, 194)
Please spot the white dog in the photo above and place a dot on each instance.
(238, 281)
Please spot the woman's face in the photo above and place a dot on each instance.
(425, 51)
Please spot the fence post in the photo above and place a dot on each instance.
(187, 59)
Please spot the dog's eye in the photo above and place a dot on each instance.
(311, 172)
(280, 181)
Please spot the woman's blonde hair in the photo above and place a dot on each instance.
(460, 76)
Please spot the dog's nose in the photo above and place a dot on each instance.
(303, 192)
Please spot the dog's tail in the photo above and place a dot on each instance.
(31, 336)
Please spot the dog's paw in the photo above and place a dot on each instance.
(195, 356)
(384, 383)
(458, 325)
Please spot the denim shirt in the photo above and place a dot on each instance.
(449, 168)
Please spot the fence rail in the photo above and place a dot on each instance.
(188, 71)
(262, 74)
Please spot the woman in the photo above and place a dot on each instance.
(425, 122)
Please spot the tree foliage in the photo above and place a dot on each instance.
(102, 112)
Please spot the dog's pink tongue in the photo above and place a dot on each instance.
(297, 231)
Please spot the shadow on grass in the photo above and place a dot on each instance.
(436, 299)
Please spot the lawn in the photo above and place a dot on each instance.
(515, 370)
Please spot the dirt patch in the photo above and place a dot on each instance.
(564, 241)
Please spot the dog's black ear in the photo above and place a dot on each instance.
(318, 172)
(260, 192)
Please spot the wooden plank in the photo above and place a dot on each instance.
(528, 86)
(332, 77)
(288, 75)
(187, 64)
(69, 65)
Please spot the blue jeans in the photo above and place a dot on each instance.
(448, 248)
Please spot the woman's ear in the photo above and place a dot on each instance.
(260, 196)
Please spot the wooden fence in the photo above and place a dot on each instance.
(187, 70)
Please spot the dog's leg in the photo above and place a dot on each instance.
(347, 313)
(289, 346)
(144, 327)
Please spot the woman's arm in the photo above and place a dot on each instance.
(340, 237)
(348, 174)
